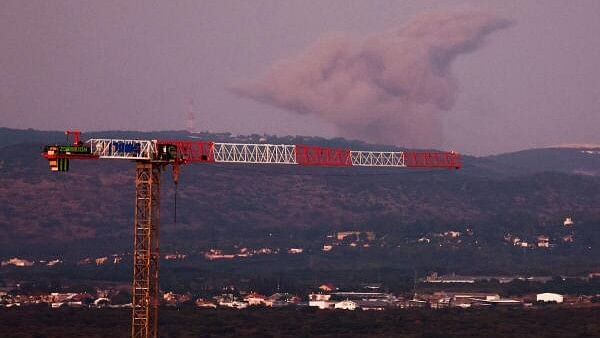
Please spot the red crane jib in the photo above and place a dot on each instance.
(309, 155)
(191, 151)
(429, 159)
(322, 156)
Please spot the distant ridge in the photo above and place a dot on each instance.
(576, 146)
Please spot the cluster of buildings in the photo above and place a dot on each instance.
(331, 298)
(101, 298)
(450, 237)
(98, 261)
(21, 262)
(566, 235)
(103, 260)
(17, 262)
(216, 254)
(350, 238)
(241, 300)
(347, 238)
(352, 300)
(540, 241)
(454, 278)
(254, 299)
(326, 297)
(444, 299)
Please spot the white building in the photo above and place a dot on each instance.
(320, 300)
(254, 299)
(17, 262)
(549, 297)
(101, 260)
(543, 241)
(346, 305)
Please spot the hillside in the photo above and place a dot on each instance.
(90, 208)
(584, 160)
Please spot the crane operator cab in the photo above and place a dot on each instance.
(167, 152)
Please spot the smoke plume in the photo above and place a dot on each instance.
(389, 88)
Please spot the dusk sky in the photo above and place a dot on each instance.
(522, 74)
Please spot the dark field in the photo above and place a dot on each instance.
(548, 322)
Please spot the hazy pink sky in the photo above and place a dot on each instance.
(135, 65)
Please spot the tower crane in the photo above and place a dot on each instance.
(151, 157)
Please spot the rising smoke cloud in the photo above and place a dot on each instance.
(388, 88)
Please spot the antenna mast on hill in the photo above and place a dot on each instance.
(190, 120)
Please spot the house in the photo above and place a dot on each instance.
(568, 222)
(239, 305)
(214, 254)
(101, 260)
(255, 299)
(328, 287)
(102, 302)
(548, 297)
(567, 238)
(229, 300)
(174, 299)
(75, 304)
(452, 278)
(440, 303)
(416, 303)
(201, 303)
(376, 305)
(452, 234)
(340, 236)
(543, 241)
(501, 302)
(443, 299)
(84, 297)
(61, 297)
(17, 262)
(319, 296)
(320, 300)
(346, 305)
(85, 261)
(282, 299)
(54, 262)
(175, 256)
(465, 300)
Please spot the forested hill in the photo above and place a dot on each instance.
(90, 207)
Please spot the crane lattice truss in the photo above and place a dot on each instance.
(146, 257)
(151, 156)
